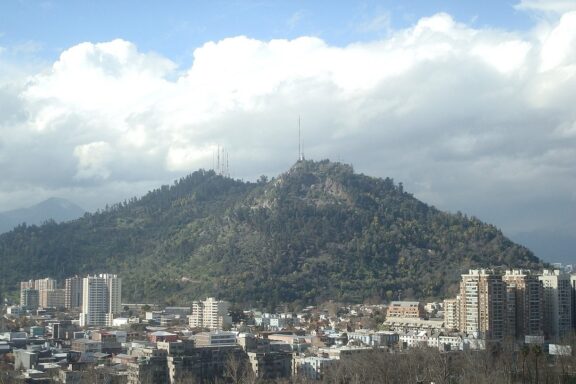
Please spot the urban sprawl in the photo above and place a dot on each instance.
(80, 331)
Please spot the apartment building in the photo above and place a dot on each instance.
(53, 298)
(557, 303)
(101, 295)
(406, 309)
(29, 298)
(524, 296)
(73, 292)
(452, 313)
(210, 313)
(483, 304)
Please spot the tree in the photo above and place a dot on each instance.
(237, 369)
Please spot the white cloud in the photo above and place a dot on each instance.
(463, 116)
(553, 6)
(378, 23)
(558, 48)
(94, 160)
(180, 158)
(295, 19)
(505, 56)
(109, 77)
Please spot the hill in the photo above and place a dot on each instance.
(56, 209)
(317, 232)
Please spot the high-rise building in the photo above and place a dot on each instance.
(29, 298)
(43, 286)
(210, 313)
(73, 292)
(483, 304)
(24, 285)
(100, 300)
(452, 313)
(114, 284)
(524, 305)
(557, 303)
(54, 298)
(573, 285)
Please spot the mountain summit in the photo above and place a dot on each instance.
(319, 231)
(54, 208)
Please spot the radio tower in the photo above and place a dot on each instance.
(218, 160)
(300, 151)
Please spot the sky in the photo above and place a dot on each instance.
(471, 105)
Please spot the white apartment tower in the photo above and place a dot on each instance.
(557, 303)
(483, 304)
(101, 295)
(210, 313)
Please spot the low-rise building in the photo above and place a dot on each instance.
(314, 367)
(86, 346)
(405, 324)
(205, 364)
(157, 336)
(178, 311)
(271, 365)
(204, 339)
(411, 339)
(150, 367)
(450, 342)
(15, 339)
(406, 309)
(25, 359)
(295, 342)
(15, 311)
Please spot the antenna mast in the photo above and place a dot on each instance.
(227, 164)
(300, 152)
(218, 161)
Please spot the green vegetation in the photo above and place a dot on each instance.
(500, 363)
(317, 232)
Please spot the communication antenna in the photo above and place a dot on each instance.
(218, 157)
(300, 150)
(227, 164)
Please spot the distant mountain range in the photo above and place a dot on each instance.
(317, 232)
(54, 208)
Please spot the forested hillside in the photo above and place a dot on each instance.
(317, 232)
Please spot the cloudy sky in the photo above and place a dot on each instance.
(472, 105)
